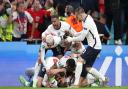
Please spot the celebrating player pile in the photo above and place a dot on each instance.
(68, 70)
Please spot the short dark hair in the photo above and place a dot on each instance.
(69, 9)
(79, 10)
(71, 64)
(55, 16)
(70, 68)
(19, 3)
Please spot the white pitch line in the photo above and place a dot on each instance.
(118, 72)
(105, 65)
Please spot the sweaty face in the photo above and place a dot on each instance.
(56, 23)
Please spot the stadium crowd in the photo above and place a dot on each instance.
(27, 19)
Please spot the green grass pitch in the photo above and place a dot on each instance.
(126, 87)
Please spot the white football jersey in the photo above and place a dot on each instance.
(44, 46)
(60, 32)
(93, 38)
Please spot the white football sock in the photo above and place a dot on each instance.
(36, 71)
(97, 74)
